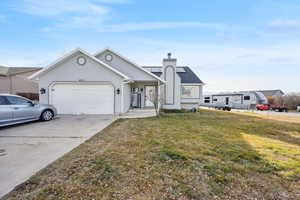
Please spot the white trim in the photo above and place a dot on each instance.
(53, 65)
(191, 84)
(122, 98)
(130, 62)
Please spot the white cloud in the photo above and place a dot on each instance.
(226, 67)
(145, 26)
(68, 13)
(285, 24)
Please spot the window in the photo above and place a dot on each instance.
(190, 92)
(247, 98)
(215, 100)
(18, 101)
(3, 101)
(206, 99)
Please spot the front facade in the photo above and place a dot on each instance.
(14, 80)
(108, 83)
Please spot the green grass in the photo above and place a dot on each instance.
(206, 155)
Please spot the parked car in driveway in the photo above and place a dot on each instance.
(16, 109)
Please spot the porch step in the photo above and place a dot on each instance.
(139, 113)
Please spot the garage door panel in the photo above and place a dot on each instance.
(83, 99)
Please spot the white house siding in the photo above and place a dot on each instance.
(70, 71)
(126, 97)
(125, 67)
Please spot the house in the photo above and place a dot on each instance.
(14, 80)
(109, 83)
(237, 100)
(271, 93)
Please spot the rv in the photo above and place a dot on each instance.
(236, 100)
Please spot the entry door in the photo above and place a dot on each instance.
(75, 99)
(227, 101)
(150, 95)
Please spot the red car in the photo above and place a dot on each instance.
(277, 108)
(263, 107)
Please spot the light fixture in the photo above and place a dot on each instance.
(42, 90)
(118, 91)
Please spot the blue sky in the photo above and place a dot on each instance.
(232, 45)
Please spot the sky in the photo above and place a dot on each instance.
(231, 45)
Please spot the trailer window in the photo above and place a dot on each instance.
(206, 101)
(246, 98)
(215, 100)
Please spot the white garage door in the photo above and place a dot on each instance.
(83, 99)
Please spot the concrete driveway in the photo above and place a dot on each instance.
(27, 148)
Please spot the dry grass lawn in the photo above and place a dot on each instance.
(206, 155)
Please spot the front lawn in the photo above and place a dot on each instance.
(206, 155)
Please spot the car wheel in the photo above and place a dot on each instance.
(47, 115)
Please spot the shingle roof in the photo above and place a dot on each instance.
(271, 92)
(6, 71)
(186, 77)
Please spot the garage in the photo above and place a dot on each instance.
(76, 98)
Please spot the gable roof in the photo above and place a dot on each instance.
(8, 71)
(187, 75)
(78, 50)
(130, 62)
(271, 92)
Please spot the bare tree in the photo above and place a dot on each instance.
(156, 99)
(290, 100)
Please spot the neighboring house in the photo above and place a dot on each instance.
(14, 80)
(271, 93)
(109, 83)
(238, 100)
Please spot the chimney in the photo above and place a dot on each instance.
(169, 61)
(169, 75)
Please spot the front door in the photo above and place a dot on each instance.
(150, 96)
(227, 101)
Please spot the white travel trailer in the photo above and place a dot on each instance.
(237, 100)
